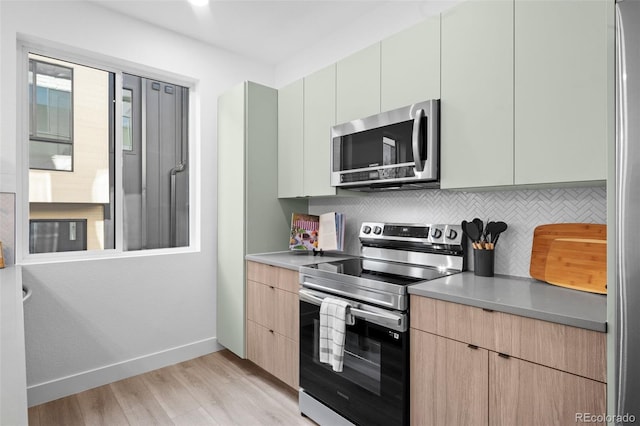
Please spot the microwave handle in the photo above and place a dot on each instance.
(415, 140)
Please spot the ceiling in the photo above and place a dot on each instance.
(266, 30)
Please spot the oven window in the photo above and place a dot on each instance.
(361, 359)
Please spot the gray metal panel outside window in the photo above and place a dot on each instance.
(155, 173)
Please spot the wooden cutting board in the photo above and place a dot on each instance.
(544, 235)
(578, 263)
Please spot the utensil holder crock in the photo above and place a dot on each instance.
(483, 261)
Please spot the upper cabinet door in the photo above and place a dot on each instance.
(319, 117)
(290, 134)
(358, 85)
(477, 95)
(563, 89)
(410, 65)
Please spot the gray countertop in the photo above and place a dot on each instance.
(520, 296)
(294, 260)
(13, 373)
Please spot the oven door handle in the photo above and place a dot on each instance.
(342, 293)
(391, 320)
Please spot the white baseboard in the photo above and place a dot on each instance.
(58, 388)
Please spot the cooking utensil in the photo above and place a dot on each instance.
(464, 228)
(497, 229)
(480, 225)
(489, 231)
(578, 263)
(544, 235)
(486, 233)
(474, 233)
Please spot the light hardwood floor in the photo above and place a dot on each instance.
(216, 389)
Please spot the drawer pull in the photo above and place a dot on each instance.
(470, 346)
(505, 356)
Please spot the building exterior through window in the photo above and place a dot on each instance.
(72, 152)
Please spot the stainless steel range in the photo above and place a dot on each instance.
(373, 387)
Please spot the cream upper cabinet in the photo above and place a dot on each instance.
(319, 117)
(358, 85)
(290, 136)
(563, 90)
(477, 95)
(410, 65)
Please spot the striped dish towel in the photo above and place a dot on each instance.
(335, 315)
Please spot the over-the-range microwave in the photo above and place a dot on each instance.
(397, 149)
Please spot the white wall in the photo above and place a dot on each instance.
(90, 322)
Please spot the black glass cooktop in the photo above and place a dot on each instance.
(380, 270)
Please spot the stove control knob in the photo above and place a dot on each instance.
(437, 233)
(377, 230)
(452, 234)
(366, 229)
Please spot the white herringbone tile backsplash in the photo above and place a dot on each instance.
(522, 210)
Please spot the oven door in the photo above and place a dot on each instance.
(373, 387)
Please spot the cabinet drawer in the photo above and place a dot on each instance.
(451, 320)
(273, 352)
(461, 322)
(273, 308)
(262, 273)
(261, 346)
(288, 280)
(261, 304)
(423, 313)
(572, 349)
(283, 278)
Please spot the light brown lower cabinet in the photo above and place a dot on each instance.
(460, 376)
(274, 353)
(449, 381)
(524, 393)
(272, 321)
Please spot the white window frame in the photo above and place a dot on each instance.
(117, 67)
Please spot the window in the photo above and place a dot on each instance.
(76, 114)
(51, 116)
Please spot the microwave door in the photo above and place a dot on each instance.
(396, 148)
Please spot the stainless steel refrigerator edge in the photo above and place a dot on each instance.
(625, 386)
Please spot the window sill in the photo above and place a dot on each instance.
(46, 258)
